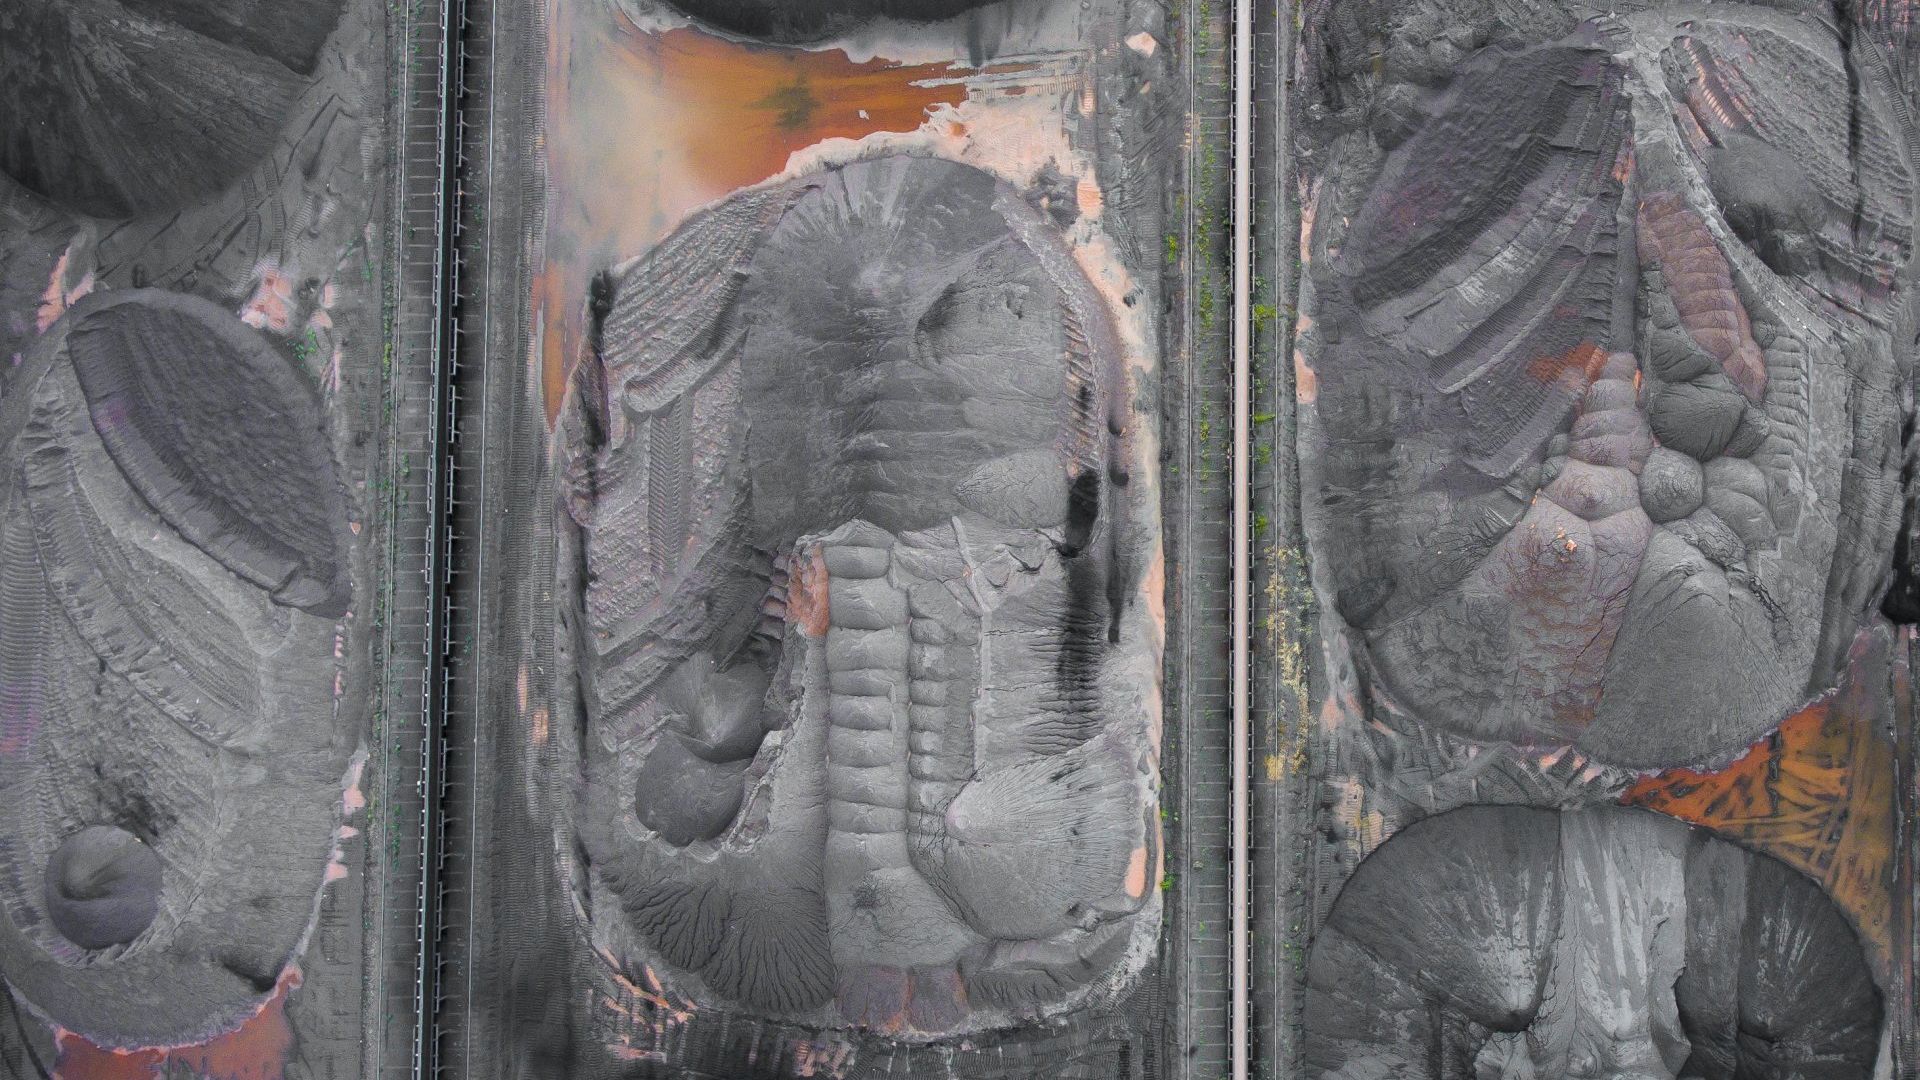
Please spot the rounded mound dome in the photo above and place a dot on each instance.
(103, 887)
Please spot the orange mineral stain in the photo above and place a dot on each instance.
(1578, 366)
(58, 296)
(79, 1059)
(271, 307)
(1306, 383)
(1136, 879)
(643, 127)
(256, 1050)
(1818, 795)
(807, 594)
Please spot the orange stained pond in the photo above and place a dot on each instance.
(644, 126)
(1819, 794)
(256, 1050)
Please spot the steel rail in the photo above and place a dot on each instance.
(445, 286)
(1241, 682)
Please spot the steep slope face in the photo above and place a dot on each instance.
(1512, 941)
(172, 736)
(1603, 449)
(114, 108)
(855, 632)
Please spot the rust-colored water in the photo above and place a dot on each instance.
(256, 1050)
(642, 127)
(1818, 795)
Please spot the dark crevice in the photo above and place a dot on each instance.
(1901, 603)
(1083, 512)
(1845, 19)
(25, 1042)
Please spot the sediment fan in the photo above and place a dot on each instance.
(116, 107)
(848, 476)
(798, 21)
(1605, 942)
(171, 746)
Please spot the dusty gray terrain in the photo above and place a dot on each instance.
(195, 472)
(171, 716)
(1605, 450)
(117, 108)
(1511, 941)
(848, 501)
(795, 787)
(1603, 386)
